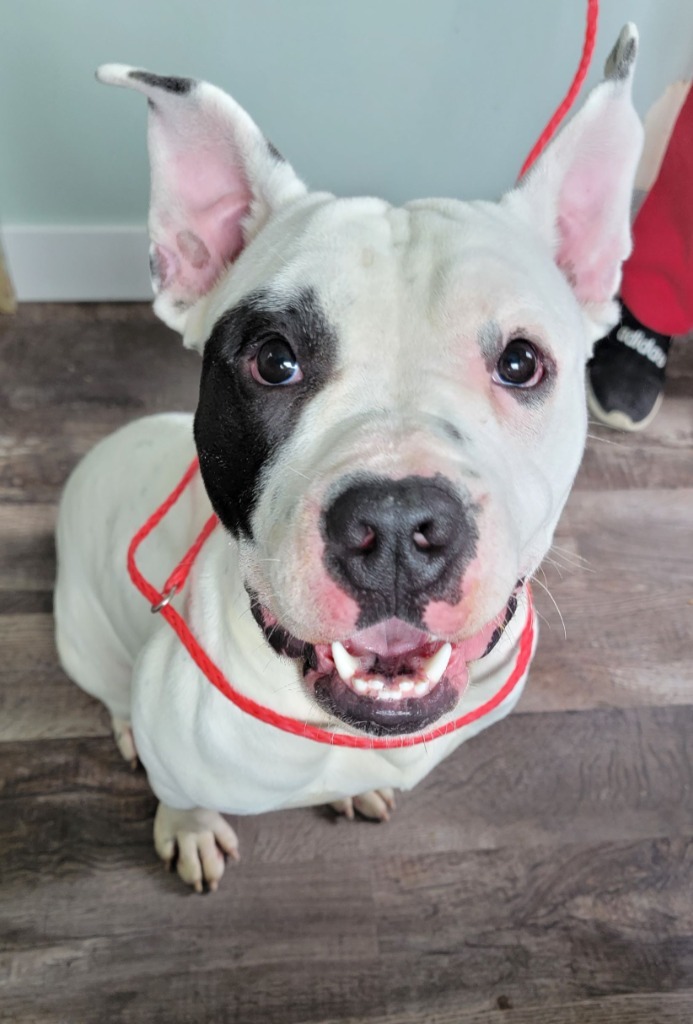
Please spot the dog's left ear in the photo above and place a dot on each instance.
(215, 181)
(578, 193)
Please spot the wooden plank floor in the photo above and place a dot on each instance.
(542, 875)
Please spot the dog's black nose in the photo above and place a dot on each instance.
(396, 544)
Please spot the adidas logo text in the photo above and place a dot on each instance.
(644, 346)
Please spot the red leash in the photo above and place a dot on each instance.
(160, 601)
(575, 86)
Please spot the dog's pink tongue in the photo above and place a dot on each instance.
(388, 639)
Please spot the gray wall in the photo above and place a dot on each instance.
(402, 98)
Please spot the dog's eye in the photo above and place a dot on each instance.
(520, 365)
(275, 363)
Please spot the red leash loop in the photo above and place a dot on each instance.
(161, 601)
(575, 86)
(178, 577)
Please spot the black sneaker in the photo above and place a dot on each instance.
(626, 374)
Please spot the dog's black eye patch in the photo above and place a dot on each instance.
(240, 423)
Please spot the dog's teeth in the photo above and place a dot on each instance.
(345, 664)
(435, 666)
(378, 689)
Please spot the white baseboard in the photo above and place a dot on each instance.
(65, 263)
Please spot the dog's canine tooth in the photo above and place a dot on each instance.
(421, 689)
(345, 664)
(436, 665)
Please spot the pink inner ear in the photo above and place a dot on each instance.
(593, 211)
(211, 240)
(199, 200)
(588, 259)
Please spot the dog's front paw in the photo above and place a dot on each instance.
(197, 840)
(376, 804)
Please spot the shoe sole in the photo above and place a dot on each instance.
(616, 419)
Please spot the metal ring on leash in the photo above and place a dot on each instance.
(166, 599)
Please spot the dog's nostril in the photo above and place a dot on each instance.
(421, 537)
(430, 536)
(368, 540)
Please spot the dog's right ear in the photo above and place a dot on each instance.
(577, 195)
(215, 181)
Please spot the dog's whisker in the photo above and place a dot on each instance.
(563, 563)
(568, 551)
(571, 557)
(264, 645)
(545, 621)
(608, 440)
(552, 562)
(512, 631)
(553, 599)
(298, 472)
(244, 612)
(292, 687)
(272, 631)
(573, 566)
(554, 554)
(540, 569)
(272, 656)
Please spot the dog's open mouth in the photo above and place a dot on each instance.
(389, 679)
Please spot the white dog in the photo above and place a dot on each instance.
(391, 415)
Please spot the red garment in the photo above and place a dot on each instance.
(657, 282)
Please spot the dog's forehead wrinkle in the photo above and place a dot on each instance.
(465, 255)
(400, 223)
